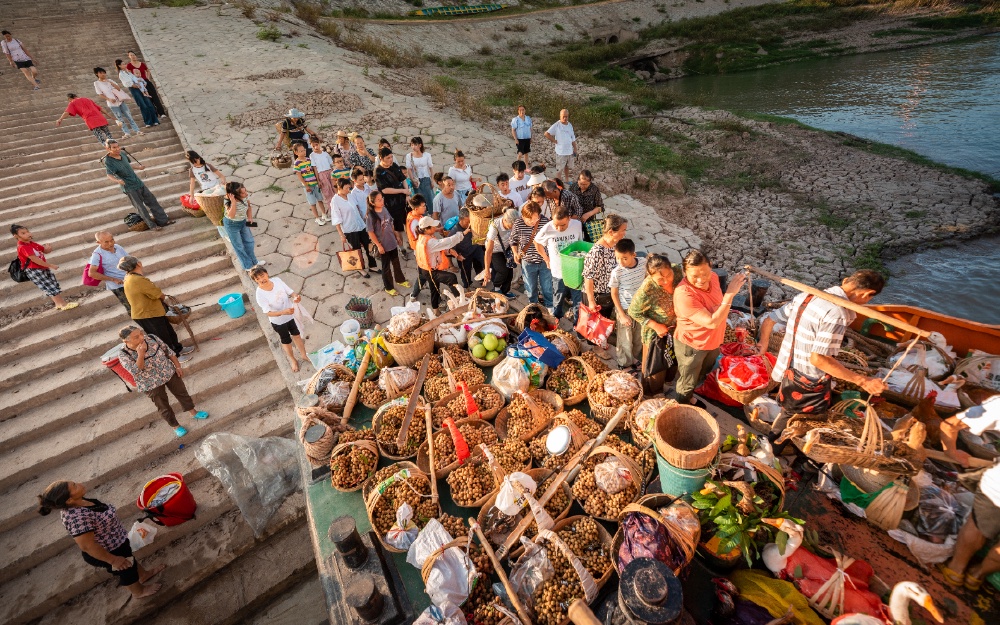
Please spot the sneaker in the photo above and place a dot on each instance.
(260, 263)
(510, 295)
(185, 358)
(187, 350)
(392, 292)
(405, 284)
(180, 431)
(320, 221)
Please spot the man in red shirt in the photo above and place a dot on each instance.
(91, 114)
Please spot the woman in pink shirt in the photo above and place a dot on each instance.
(701, 309)
(91, 114)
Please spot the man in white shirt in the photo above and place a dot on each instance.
(983, 524)
(503, 184)
(104, 266)
(519, 181)
(19, 57)
(520, 129)
(117, 101)
(551, 238)
(358, 197)
(561, 133)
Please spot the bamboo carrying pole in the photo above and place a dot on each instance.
(580, 614)
(974, 463)
(411, 406)
(840, 301)
(515, 601)
(430, 453)
(352, 399)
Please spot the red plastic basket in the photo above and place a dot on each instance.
(110, 360)
(176, 509)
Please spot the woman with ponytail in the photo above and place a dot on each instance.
(99, 533)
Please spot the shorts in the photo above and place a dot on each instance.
(398, 214)
(126, 577)
(286, 331)
(45, 280)
(313, 195)
(523, 146)
(986, 514)
(565, 162)
(24, 64)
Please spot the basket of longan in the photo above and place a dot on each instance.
(408, 350)
(641, 421)
(570, 380)
(565, 342)
(603, 404)
(390, 488)
(473, 431)
(557, 507)
(681, 523)
(352, 463)
(537, 446)
(371, 394)
(387, 423)
(340, 374)
(489, 400)
(528, 414)
(595, 501)
(473, 483)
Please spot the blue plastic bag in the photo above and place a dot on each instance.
(539, 348)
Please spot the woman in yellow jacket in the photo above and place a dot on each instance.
(431, 258)
(148, 310)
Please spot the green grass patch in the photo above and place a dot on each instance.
(651, 155)
(869, 257)
(269, 33)
(914, 214)
(273, 188)
(829, 218)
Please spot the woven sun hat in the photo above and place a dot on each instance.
(342, 134)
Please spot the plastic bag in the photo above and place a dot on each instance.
(141, 534)
(401, 324)
(536, 369)
(511, 376)
(593, 327)
(645, 537)
(404, 531)
(539, 348)
(411, 306)
(450, 579)
(451, 334)
(325, 377)
(336, 395)
(622, 386)
(402, 377)
(530, 571)
(446, 614)
(334, 353)
(925, 356)
(939, 515)
(927, 553)
(258, 473)
(380, 353)
(509, 500)
(612, 476)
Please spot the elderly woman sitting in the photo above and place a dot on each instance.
(156, 370)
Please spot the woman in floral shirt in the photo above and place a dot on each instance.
(99, 532)
(600, 262)
(653, 308)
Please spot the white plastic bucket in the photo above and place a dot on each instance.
(350, 330)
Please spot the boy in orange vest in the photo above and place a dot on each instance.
(431, 258)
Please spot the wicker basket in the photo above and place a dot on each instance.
(650, 505)
(345, 448)
(423, 453)
(635, 473)
(825, 445)
(486, 415)
(572, 344)
(606, 543)
(480, 218)
(462, 542)
(774, 343)
(360, 309)
(177, 313)
(541, 421)
(139, 226)
(539, 476)
(976, 446)
(687, 437)
(193, 212)
(409, 354)
(603, 414)
(371, 493)
(747, 396)
(588, 373)
(764, 472)
(343, 374)
(642, 436)
(281, 161)
(479, 503)
(392, 454)
(588, 583)
(213, 205)
(972, 368)
(489, 363)
(489, 303)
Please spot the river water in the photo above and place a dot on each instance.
(940, 101)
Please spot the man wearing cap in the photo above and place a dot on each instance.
(118, 170)
(561, 133)
(293, 128)
(520, 129)
(432, 261)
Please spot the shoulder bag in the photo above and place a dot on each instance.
(798, 393)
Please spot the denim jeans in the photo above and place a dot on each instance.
(145, 106)
(148, 208)
(425, 189)
(564, 293)
(535, 276)
(242, 240)
(124, 116)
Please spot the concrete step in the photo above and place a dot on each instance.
(301, 605)
(132, 451)
(39, 538)
(84, 142)
(83, 158)
(83, 155)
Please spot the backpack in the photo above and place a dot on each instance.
(17, 271)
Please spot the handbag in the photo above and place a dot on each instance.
(351, 259)
(595, 227)
(87, 280)
(540, 348)
(593, 326)
(507, 252)
(799, 393)
(17, 271)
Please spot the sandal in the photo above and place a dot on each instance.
(953, 579)
(972, 582)
(69, 306)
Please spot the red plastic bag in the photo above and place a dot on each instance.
(188, 202)
(594, 327)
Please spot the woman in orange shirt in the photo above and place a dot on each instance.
(701, 309)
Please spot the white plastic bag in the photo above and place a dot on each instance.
(447, 614)
(509, 500)
(411, 306)
(451, 334)
(401, 324)
(926, 552)
(531, 570)
(450, 579)
(404, 531)
(612, 476)
(141, 534)
(402, 377)
(622, 386)
(511, 376)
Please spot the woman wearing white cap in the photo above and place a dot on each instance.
(293, 128)
(431, 259)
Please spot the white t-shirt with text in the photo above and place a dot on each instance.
(278, 298)
(554, 241)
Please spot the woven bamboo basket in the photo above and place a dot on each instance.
(371, 492)
(650, 505)
(193, 212)
(747, 396)
(607, 542)
(603, 414)
(642, 434)
(281, 161)
(579, 365)
(489, 363)
(480, 217)
(687, 437)
(409, 354)
(479, 503)
(213, 205)
(774, 342)
(763, 471)
(485, 415)
(541, 420)
(872, 481)
(392, 453)
(177, 313)
(635, 473)
(489, 303)
(139, 226)
(572, 345)
(539, 475)
(462, 542)
(423, 455)
(590, 585)
(345, 448)
(343, 374)
(972, 369)
(977, 446)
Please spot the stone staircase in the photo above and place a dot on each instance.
(62, 416)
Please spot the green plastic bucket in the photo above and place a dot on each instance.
(681, 482)
(572, 266)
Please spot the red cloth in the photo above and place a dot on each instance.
(710, 389)
(24, 250)
(816, 570)
(143, 70)
(745, 373)
(89, 111)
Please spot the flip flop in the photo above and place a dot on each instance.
(953, 579)
(69, 306)
(201, 415)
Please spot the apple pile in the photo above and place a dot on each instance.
(487, 347)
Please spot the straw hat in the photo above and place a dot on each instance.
(352, 136)
(536, 179)
(342, 134)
